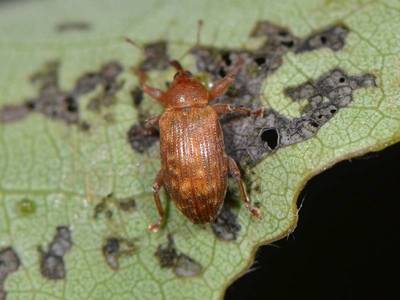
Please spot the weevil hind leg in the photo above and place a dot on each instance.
(157, 185)
(235, 172)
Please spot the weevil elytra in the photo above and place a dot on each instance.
(194, 165)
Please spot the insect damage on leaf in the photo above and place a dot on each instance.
(259, 64)
(114, 248)
(226, 226)
(9, 263)
(156, 58)
(58, 104)
(326, 95)
(250, 139)
(108, 203)
(332, 37)
(181, 264)
(52, 264)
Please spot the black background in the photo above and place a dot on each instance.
(346, 244)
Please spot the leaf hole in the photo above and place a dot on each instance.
(72, 105)
(288, 44)
(226, 57)
(271, 137)
(222, 72)
(260, 60)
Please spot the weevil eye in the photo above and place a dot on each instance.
(188, 73)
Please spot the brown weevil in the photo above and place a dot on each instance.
(194, 165)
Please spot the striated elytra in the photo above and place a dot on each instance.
(194, 165)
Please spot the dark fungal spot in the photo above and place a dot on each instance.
(226, 226)
(249, 139)
(58, 104)
(9, 263)
(181, 264)
(73, 26)
(114, 248)
(52, 264)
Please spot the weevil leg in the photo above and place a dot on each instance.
(158, 184)
(221, 109)
(235, 172)
(151, 91)
(220, 86)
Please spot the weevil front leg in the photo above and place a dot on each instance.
(235, 172)
(220, 86)
(151, 91)
(221, 109)
(157, 185)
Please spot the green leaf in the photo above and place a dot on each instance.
(56, 174)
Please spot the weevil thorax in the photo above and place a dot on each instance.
(185, 91)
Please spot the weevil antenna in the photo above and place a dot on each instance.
(198, 34)
(198, 39)
(134, 44)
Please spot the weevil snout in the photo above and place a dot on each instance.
(182, 73)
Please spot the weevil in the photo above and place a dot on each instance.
(194, 165)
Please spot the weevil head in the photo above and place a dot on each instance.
(185, 90)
